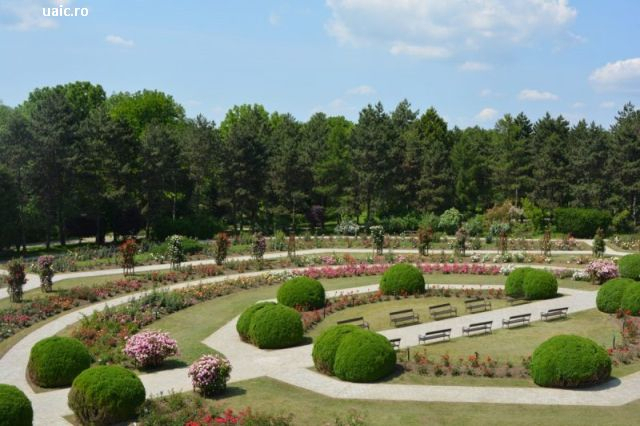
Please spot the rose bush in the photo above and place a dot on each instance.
(150, 348)
(209, 375)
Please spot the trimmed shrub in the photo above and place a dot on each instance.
(515, 280)
(106, 395)
(581, 223)
(568, 361)
(629, 266)
(609, 297)
(364, 356)
(631, 299)
(56, 361)
(244, 322)
(539, 284)
(275, 327)
(302, 293)
(402, 278)
(326, 346)
(15, 407)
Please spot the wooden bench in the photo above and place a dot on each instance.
(406, 316)
(554, 313)
(444, 334)
(517, 320)
(443, 311)
(478, 327)
(360, 320)
(477, 305)
(395, 343)
(516, 300)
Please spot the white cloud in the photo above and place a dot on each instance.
(537, 95)
(274, 19)
(436, 29)
(486, 93)
(577, 105)
(361, 90)
(486, 114)
(607, 104)
(619, 75)
(119, 41)
(474, 66)
(25, 15)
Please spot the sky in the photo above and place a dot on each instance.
(472, 60)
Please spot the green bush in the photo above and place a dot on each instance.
(56, 361)
(581, 223)
(567, 361)
(402, 278)
(15, 407)
(244, 322)
(364, 356)
(275, 327)
(201, 227)
(326, 346)
(302, 292)
(513, 287)
(629, 266)
(609, 297)
(450, 221)
(631, 299)
(106, 395)
(539, 284)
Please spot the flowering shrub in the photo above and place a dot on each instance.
(377, 234)
(347, 227)
(259, 247)
(601, 270)
(175, 251)
(222, 244)
(16, 279)
(209, 375)
(150, 348)
(128, 251)
(45, 271)
(581, 275)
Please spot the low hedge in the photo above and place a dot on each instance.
(276, 326)
(581, 223)
(568, 361)
(629, 266)
(402, 278)
(15, 407)
(513, 287)
(609, 297)
(244, 322)
(56, 361)
(302, 292)
(326, 346)
(539, 284)
(364, 356)
(106, 395)
(631, 299)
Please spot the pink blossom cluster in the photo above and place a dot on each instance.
(209, 374)
(602, 270)
(363, 269)
(328, 260)
(150, 348)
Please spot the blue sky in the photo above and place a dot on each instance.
(473, 60)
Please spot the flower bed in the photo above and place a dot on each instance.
(363, 269)
(473, 365)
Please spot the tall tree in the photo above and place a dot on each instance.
(470, 162)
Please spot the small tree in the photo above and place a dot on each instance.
(425, 238)
(291, 245)
(128, 250)
(598, 243)
(222, 243)
(175, 251)
(461, 241)
(377, 235)
(545, 244)
(45, 271)
(503, 242)
(259, 248)
(16, 279)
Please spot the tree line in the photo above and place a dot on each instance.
(75, 161)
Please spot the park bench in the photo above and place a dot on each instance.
(359, 320)
(442, 311)
(478, 327)
(477, 305)
(395, 343)
(405, 316)
(516, 320)
(444, 334)
(515, 300)
(554, 313)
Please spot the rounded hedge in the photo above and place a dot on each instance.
(302, 292)
(631, 299)
(15, 407)
(568, 361)
(56, 361)
(629, 266)
(326, 346)
(106, 395)
(364, 356)
(275, 327)
(402, 278)
(514, 286)
(244, 322)
(609, 297)
(539, 284)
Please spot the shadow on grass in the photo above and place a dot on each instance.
(232, 391)
(169, 364)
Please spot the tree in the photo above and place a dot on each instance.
(470, 162)
(9, 214)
